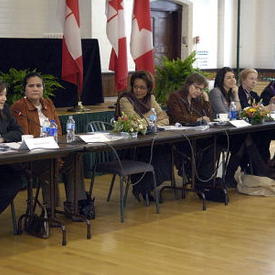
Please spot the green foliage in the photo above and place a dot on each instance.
(14, 79)
(171, 74)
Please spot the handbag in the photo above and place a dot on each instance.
(38, 224)
(216, 192)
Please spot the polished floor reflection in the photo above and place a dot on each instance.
(182, 239)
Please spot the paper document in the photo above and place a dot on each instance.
(100, 137)
(239, 123)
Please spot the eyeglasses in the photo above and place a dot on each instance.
(140, 87)
(199, 88)
(35, 85)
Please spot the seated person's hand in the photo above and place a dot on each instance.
(205, 118)
(272, 100)
(235, 90)
(205, 96)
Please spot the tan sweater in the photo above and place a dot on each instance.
(127, 107)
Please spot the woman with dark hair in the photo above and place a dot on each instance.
(10, 182)
(225, 91)
(190, 105)
(268, 93)
(30, 112)
(140, 101)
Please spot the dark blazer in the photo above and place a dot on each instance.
(268, 93)
(246, 102)
(9, 129)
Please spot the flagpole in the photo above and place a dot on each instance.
(79, 107)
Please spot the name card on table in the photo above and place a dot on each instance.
(100, 137)
(39, 143)
(239, 123)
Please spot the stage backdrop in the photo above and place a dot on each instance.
(45, 55)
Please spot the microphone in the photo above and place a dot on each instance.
(19, 113)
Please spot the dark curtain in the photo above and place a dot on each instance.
(45, 55)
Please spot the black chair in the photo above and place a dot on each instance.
(112, 164)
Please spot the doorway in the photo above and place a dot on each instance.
(167, 29)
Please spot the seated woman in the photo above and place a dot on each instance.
(248, 80)
(225, 91)
(30, 113)
(188, 105)
(140, 101)
(191, 102)
(268, 93)
(10, 182)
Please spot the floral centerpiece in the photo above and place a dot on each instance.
(130, 124)
(254, 114)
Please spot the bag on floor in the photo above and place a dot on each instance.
(217, 192)
(38, 225)
(256, 185)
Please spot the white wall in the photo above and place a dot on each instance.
(257, 34)
(205, 26)
(99, 31)
(213, 20)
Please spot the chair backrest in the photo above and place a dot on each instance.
(99, 126)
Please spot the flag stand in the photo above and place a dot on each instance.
(78, 108)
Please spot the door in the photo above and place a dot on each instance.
(166, 22)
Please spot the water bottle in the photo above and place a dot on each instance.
(233, 113)
(53, 130)
(45, 128)
(70, 128)
(153, 121)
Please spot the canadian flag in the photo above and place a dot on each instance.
(72, 63)
(116, 34)
(141, 36)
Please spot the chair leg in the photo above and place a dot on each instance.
(122, 199)
(126, 190)
(92, 181)
(111, 187)
(156, 193)
(14, 221)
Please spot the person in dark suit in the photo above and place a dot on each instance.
(248, 79)
(10, 182)
(268, 93)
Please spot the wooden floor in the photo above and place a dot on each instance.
(182, 239)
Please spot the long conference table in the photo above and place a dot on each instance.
(78, 148)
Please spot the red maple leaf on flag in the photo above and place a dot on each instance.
(116, 4)
(141, 12)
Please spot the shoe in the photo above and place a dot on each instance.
(87, 208)
(69, 212)
(150, 197)
(136, 195)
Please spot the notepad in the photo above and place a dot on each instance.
(239, 123)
